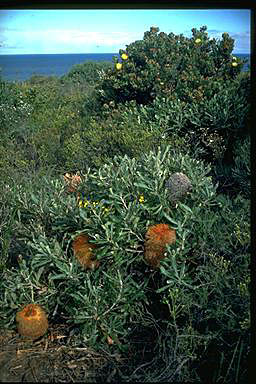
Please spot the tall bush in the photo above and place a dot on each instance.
(196, 77)
(170, 65)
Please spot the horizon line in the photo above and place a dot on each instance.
(88, 53)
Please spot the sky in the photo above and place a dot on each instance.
(107, 31)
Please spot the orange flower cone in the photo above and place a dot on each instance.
(157, 238)
(32, 321)
(83, 251)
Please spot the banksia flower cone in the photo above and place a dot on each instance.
(32, 321)
(178, 185)
(157, 238)
(72, 181)
(83, 251)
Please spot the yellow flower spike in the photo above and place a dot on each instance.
(118, 66)
(80, 203)
(197, 41)
(234, 64)
(124, 56)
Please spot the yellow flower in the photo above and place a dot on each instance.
(234, 64)
(124, 56)
(234, 58)
(118, 66)
(141, 199)
(197, 41)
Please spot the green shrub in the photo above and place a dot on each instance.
(14, 107)
(82, 79)
(241, 171)
(233, 177)
(170, 66)
(198, 297)
(197, 78)
(127, 129)
(37, 79)
(88, 72)
(75, 153)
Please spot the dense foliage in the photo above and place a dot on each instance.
(170, 105)
(171, 66)
(199, 75)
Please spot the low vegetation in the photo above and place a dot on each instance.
(168, 105)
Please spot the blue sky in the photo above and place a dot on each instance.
(107, 31)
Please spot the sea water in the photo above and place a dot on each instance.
(22, 67)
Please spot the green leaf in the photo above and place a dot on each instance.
(58, 276)
(62, 267)
(185, 208)
(34, 198)
(170, 219)
(143, 185)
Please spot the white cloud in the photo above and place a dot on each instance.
(76, 37)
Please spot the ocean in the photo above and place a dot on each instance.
(22, 67)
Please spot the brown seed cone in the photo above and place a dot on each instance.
(83, 251)
(157, 237)
(32, 321)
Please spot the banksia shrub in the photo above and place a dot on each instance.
(211, 258)
(32, 321)
(83, 251)
(157, 237)
(196, 74)
(170, 66)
